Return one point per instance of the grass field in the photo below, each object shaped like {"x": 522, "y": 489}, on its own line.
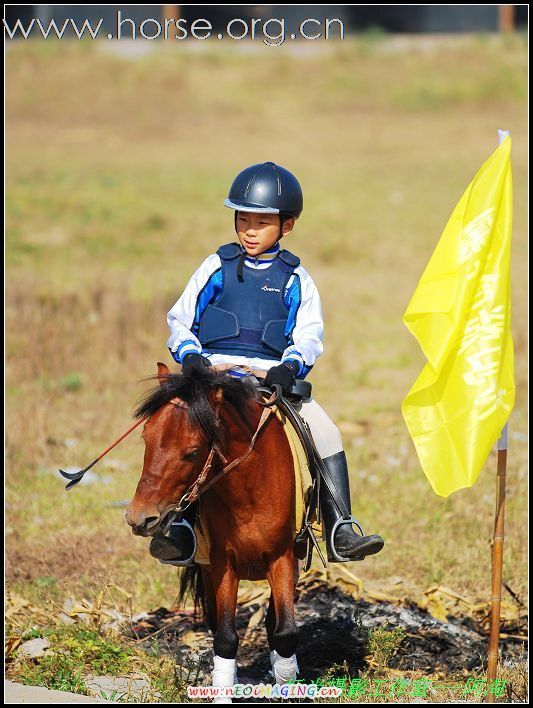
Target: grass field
{"x": 116, "y": 173}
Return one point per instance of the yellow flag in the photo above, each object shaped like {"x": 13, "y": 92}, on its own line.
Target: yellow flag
{"x": 460, "y": 314}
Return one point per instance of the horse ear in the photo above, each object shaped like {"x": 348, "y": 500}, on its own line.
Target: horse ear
{"x": 162, "y": 372}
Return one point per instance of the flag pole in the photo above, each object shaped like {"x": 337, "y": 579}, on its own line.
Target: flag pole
{"x": 497, "y": 565}
{"x": 497, "y": 547}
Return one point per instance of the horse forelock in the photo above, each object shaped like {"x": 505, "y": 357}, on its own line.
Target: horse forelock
{"x": 193, "y": 392}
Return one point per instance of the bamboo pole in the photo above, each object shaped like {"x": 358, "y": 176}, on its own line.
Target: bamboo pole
{"x": 497, "y": 565}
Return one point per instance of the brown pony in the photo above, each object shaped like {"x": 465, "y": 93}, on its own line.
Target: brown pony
{"x": 247, "y": 513}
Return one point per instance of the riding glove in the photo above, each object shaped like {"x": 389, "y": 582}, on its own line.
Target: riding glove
{"x": 284, "y": 375}
{"x": 194, "y": 362}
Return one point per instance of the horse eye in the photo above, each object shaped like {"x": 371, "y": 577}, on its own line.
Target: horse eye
{"x": 192, "y": 455}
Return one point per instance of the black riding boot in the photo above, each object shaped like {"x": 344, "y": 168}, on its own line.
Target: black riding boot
{"x": 179, "y": 545}
{"x": 347, "y": 544}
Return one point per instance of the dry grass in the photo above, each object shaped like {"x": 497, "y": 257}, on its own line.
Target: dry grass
{"x": 116, "y": 174}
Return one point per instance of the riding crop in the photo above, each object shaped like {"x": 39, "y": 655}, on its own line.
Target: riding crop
{"x": 76, "y": 477}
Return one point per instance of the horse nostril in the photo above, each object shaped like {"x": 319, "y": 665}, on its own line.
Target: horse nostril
{"x": 141, "y": 524}
{"x": 144, "y": 527}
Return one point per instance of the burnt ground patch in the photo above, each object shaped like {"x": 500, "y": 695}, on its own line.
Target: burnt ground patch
{"x": 335, "y": 631}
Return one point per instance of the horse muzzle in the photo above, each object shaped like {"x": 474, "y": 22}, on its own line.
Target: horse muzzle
{"x": 147, "y": 528}
{"x": 148, "y": 523}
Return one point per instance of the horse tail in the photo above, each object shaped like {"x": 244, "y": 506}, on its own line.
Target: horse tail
{"x": 192, "y": 584}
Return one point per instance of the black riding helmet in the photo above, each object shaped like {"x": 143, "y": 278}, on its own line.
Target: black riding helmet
{"x": 267, "y": 188}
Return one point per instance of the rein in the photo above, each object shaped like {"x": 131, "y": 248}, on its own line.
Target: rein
{"x": 201, "y": 485}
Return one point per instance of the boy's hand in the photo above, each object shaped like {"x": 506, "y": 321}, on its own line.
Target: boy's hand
{"x": 194, "y": 362}
{"x": 284, "y": 375}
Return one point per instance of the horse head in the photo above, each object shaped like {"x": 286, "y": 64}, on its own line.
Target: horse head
{"x": 175, "y": 452}
{"x": 181, "y": 430}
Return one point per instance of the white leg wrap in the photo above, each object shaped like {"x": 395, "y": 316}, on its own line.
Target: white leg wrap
{"x": 284, "y": 670}
{"x": 224, "y": 673}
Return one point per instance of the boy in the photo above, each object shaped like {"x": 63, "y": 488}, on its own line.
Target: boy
{"x": 255, "y": 305}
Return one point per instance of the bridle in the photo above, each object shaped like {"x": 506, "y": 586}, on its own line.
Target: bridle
{"x": 201, "y": 484}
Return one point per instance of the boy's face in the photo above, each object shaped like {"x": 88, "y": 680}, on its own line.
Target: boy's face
{"x": 259, "y": 232}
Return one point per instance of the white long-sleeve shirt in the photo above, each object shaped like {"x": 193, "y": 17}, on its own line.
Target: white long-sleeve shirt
{"x": 301, "y": 297}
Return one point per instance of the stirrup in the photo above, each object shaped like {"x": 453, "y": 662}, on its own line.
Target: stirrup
{"x": 187, "y": 562}
{"x": 341, "y": 522}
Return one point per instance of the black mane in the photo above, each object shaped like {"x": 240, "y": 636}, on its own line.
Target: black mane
{"x": 194, "y": 389}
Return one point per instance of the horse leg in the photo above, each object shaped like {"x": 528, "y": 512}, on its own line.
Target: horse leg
{"x": 270, "y": 619}
{"x": 270, "y": 622}
{"x": 210, "y": 599}
{"x": 226, "y": 639}
{"x": 283, "y": 635}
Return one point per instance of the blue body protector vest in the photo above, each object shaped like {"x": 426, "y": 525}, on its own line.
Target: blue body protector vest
{"x": 249, "y": 317}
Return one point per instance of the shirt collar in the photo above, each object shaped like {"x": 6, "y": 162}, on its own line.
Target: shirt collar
{"x": 266, "y": 256}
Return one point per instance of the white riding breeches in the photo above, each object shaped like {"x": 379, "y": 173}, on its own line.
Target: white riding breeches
{"x": 325, "y": 433}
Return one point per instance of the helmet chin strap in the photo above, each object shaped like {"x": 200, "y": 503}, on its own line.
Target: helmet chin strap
{"x": 240, "y": 266}
{"x": 282, "y": 218}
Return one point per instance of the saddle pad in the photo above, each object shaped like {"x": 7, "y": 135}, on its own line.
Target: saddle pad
{"x": 302, "y": 475}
